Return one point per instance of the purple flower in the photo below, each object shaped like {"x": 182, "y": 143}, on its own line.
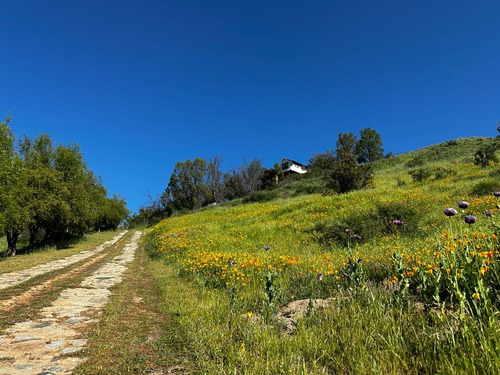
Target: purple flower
{"x": 496, "y": 193}
{"x": 463, "y": 205}
{"x": 488, "y": 213}
{"x": 357, "y": 237}
{"x": 470, "y": 219}
{"x": 233, "y": 263}
{"x": 320, "y": 276}
{"x": 347, "y": 230}
{"x": 450, "y": 211}
{"x": 398, "y": 222}
{"x": 266, "y": 247}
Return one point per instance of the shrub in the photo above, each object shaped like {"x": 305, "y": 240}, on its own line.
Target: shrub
{"x": 417, "y": 161}
{"x": 420, "y": 174}
{"x": 369, "y": 224}
{"x": 486, "y": 187}
{"x": 486, "y": 155}
{"x": 441, "y": 172}
{"x": 261, "y": 196}
{"x": 347, "y": 175}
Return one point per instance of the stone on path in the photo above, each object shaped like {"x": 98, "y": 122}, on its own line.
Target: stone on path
{"x": 14, "y": 278}
{"x": 42, "y": 346}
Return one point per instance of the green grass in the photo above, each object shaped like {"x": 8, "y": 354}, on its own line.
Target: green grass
{"x": 139, "y": 331}
{"x": 410, "y": 317}
{"x": 23, "y": 261}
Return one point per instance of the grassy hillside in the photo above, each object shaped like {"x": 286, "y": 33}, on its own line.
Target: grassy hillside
{"x": 420, "y": 297}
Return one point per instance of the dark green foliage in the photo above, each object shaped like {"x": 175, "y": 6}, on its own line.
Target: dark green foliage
{"x": 186, "y": 188}
{"x": 346, "y": 145}
{"x": 451, "y": 142}
{"x": 272, "y": 177}
{"x": 49, "y": 192}
{"x": 486, "y": 155}
{"x": 346, "y": 175}
{"x": 420, "y": 174}
{"x": 417, "y": 161}
{"x": 320, "y": 163}
{"x": 233, "y": 186}
{"x": 486, "y": 187}
{"x": 441, "y": 172}
{"x": 370, "y": 224}
{"x": 261, "y": 196}
{"x": 369, "y": 148}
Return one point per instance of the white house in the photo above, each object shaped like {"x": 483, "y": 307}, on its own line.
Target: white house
{"x": 291, "y": 166}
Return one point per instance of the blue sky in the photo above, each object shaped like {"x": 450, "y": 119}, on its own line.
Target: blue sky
{"x": 140, "y": 85}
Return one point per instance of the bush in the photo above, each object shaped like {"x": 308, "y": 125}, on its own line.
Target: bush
{"x": 486, "y": 155}
{"x": 486, "y": 187}
{"x": 346, "y": 175}
{"x": 261, "y": 196}
{"x": 417, "y": 161}
{"x": 441, "y": 172}
{"x": 369, "y": 224}
{"x": 420, "y": 174}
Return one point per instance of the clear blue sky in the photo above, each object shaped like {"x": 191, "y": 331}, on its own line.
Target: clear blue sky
{"x": 141, "y": 85}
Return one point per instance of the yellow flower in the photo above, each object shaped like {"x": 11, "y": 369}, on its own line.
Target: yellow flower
{"x": 249, "y": 314}
{"x": 475, "y": 295}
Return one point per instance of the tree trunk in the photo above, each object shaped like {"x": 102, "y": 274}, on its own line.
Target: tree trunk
{"x": 12, "y": 236}
{"x": 33, "y": 232}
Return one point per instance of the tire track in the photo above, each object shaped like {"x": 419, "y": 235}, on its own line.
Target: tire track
{"x": 42, "y": 346}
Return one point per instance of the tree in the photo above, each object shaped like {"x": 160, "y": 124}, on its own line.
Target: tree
{"x": 251, "y": 175}
{"x": 186, "y": 188}
{"x": 347, "y": 175}
{"x": 233, "y": 185}
{"x": 320, "y": 163}
{"x": 346, "y": 146}
{"x": 214, "y": 179}
{"x": 111, "y": 213}
{"x": 272, "y": 177}
{"x": 369, "y": 148}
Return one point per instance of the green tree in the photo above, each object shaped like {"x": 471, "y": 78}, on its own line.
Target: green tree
{"x": 347, "y": 175}
{"x": 186, "y": 188}
{"x": 320, "y": 163}
{"x": 112, "y": 212}
{"x": 346, "y": 146}
{"x": 369, "y": 148}
{"x": 233, "y": 185}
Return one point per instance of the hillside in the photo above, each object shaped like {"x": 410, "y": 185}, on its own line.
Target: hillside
{"x": 390, "y": 245}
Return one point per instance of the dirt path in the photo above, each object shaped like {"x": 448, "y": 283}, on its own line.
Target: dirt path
{"x": 47, "y": 344}
{"x": 14, "y": 278}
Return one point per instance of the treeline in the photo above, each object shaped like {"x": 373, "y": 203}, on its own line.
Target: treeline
{"x": 197, "y": 183}
{"x": 48, "y": 194}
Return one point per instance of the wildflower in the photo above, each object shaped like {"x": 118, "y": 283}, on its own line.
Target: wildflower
{"x": 463, "y": 205}
{"x": 476, "y": 296}
{"x": 357, "y": 237}
{"x": 347, "y": 230}
{"x": 266, "y": 247}
{"x": 496, "y": 193}
{"x": 398, "y": 222}
{"x": 450, "y": 211}
{"x": 483, "y": 270}
{"x": 488, "y": 213}
{"x": 233, "y": 263}
{"x": 470, "y": 219}
{"x": 320, "y": 276}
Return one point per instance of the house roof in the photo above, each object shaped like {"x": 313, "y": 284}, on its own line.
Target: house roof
{"x": 293, "y": 162}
